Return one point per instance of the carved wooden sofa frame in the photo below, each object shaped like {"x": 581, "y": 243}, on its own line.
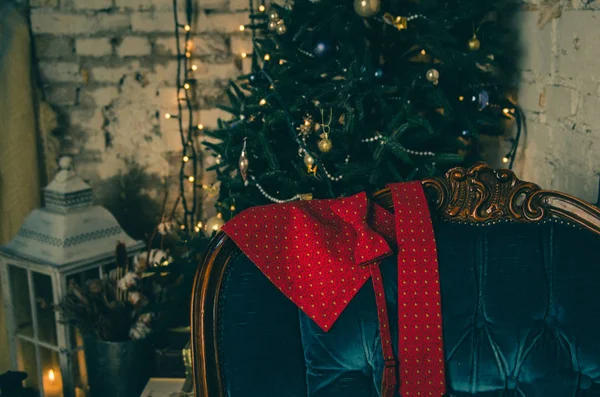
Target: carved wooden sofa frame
{"x": 478, "y": 195}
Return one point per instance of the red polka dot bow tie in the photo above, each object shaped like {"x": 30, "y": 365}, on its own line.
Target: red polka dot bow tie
{"x": 320, "y": 253}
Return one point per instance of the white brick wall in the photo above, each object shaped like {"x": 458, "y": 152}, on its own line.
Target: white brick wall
{"x": 88, "y": 49}
{"x": 559, "y": 91}
{"x": 108, "y": 67}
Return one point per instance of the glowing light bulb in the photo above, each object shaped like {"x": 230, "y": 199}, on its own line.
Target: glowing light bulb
{"x": 191, "y": 178}
{"x": 506, "y": 111}
{"x": 199, "y": 225}
{"x": 168, "y": 116}
{"x": 186, "y": 159}
{"x": 187, "y": 28}
{"x": 281, "y": 61}
{"x": 188, "y": 54}
{"x": 244, "y": 55}
{"x": 261, "y": 8}
{"x": 51, "y": 375}
{"x": 267, "y": 57}
{"x": 200, "y": 126}
{"x": 423, "y": 52}
{"x": 505, "y": 159}
{"x": 262, "y": 102}
{"x": 232, "y": 208}
{"x": 461, "y": 98}
{"x": 242, "y": 28}
{"x": 186, "y": 86}
{"x": 182, "y": 227}
{"x": 196, "y": 229}
{"x": 194, "y": 67}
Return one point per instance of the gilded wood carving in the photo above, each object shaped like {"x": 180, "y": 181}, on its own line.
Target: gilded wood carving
{"x": 482, "y": 194}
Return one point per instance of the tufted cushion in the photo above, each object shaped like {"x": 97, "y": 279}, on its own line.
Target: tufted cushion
{"x": 521, "y": 312}
{"x": 352, "y": 347}
{"x": 521, "y": 306}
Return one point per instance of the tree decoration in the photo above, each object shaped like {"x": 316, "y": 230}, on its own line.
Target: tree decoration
{"x": 433, "y": 76}
{"x": 243, "y": 163}
{"x": 376, "y": 76}
{"x": 325, "y": 144}
{"x": 322, "y": 49}
{"x": 213, "y": 225}
{"x": 474, "y": 43}
{"x": 400, "y": 23}
{"x": 367, "y": 8}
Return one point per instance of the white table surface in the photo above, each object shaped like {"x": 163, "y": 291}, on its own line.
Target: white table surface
{"x": 164, "y": 387}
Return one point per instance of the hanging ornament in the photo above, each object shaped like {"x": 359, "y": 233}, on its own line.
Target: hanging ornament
{"x": 306, "y": 127}
{"x": 400, "y": 23}
{"x": 325, "y": 144}
{"x": 474, "y": 43}
{"x": 244, "y": 163}
{"x": 272, "y": 26}
{"x": 322, "y": 49}
{"x": 281, "y": 29}
{"x": 483, "y": 99}
{"x": 433, "y": 76}
{"x": 273, "y": 16}
{"x": 309, "y": 161}
{"x": 213, "y": 224}
{"x": 367, "y": 8}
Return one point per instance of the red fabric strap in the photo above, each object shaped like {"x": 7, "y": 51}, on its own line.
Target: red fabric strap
{"x": 420, "y": 345}
{"x": 320, "y": 253}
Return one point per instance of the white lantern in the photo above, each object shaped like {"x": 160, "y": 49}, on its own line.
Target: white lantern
{"x": 68, "y": 240}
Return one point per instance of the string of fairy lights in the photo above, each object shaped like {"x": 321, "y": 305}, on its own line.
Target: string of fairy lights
{"x": 190, "y": 170}
{"x": 191, "y": 166}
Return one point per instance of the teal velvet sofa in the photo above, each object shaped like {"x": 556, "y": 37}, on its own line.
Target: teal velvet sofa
{"x": 520, "y": 285}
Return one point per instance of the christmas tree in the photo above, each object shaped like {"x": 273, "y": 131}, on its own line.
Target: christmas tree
{"x": 349, "y": 96}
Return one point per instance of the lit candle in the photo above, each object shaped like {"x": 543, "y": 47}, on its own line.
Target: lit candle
{"x": 52, "y": 384}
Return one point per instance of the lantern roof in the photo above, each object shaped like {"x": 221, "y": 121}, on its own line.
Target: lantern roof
{"x": 69, "y": 230}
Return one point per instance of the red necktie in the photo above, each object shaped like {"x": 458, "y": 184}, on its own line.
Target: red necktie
{"x": 420, "y": 345}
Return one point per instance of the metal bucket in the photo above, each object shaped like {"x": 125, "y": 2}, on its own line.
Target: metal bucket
{"x": 117, "y": 369}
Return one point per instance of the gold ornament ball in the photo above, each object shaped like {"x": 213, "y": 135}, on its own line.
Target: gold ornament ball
{"x": 325, "y": 145}
{"x": 308, "y": 160}
{"x": 213, "y": 224}
{"x": 433, "y": 75}
{"x": 474, "y": 43}
{"x": 281, "y": 29}
{"x": 367, "y": 8}
{"x": 273, "y": 16}
{"x": 272, "y": 25}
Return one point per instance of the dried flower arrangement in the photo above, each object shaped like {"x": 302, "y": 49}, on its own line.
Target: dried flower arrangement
{"x": 138, "y": 298}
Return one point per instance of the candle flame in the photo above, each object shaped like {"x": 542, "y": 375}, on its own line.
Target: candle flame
{"x": 51, "y": 375}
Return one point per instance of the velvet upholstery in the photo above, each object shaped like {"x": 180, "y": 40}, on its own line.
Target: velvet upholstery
{"x": 521, "y": 314}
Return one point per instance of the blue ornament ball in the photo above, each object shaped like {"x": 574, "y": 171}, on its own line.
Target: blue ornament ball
{"x": 322, "y": 49}
{"x": 483, "y": 99}
{"x": 379, "y": 73}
